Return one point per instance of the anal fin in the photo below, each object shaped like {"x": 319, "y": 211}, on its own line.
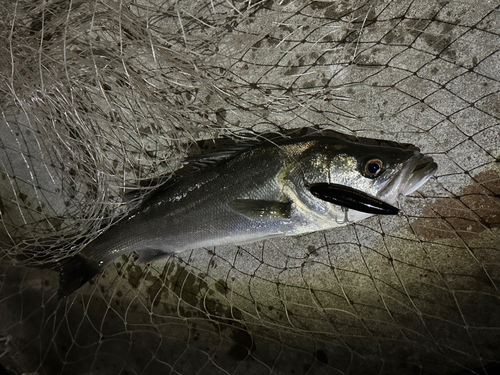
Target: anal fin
{"x": 150, "y": 255}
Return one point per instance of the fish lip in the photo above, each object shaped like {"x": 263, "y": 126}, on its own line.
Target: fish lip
{"x": 417, "y": 171}
{"x": 421, "y": 173}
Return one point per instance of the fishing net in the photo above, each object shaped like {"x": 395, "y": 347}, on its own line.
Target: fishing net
{"x": 103, "y": 98}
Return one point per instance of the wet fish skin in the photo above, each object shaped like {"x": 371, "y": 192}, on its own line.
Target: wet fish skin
{"x": 244, "y": 196}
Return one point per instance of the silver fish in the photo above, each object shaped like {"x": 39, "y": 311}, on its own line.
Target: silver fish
{"x": 250, "y": 193}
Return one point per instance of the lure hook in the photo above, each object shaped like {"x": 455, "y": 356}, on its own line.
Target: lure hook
{"x": 345, "y": 219}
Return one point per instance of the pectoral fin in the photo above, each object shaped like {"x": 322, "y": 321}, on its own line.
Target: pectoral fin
{"x": 351, "y": 198}
{"x": 260, "y": 209}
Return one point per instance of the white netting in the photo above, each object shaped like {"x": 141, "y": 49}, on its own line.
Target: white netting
{"x": 99, "y": 98}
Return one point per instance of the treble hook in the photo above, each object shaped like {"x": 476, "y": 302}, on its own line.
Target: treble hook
{"x": 346, "y": 219}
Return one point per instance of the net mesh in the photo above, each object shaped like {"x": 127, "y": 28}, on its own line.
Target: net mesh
{"x": 100, "y": 98}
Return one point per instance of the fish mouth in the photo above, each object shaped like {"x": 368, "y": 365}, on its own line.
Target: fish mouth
{"x": 417, "y": 171}
{"x": 425, "y": 168}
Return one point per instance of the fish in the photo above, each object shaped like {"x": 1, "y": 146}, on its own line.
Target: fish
{"x": 253, "y": 192}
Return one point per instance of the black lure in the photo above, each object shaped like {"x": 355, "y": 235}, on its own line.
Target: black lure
{"x": 351, "y": 198}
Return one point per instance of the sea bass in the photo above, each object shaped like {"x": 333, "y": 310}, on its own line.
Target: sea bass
{"x": 250, "y": 193}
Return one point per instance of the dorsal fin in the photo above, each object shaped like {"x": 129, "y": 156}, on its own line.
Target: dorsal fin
{"x": 193, "y": 164}
{"x": 218, "y": 150}
{"x": 200, "y": 161}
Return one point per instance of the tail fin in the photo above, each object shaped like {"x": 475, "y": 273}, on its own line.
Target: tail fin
{"x": 74, "y": 272}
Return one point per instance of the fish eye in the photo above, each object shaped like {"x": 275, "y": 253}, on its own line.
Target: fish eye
{"x": 373, "y": 168}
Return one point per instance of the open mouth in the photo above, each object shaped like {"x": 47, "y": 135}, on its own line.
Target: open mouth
{"x": 424, "y": 169}
{"x": 414, "y": 174}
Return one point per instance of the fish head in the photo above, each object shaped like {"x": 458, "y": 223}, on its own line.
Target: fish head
{"x": 382, "y": 172}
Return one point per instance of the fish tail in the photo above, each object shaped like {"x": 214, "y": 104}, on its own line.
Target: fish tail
{"x": 74, "y": 272}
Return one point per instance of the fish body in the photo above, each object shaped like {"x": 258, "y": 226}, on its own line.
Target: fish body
{"x": 250, "y": 194}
